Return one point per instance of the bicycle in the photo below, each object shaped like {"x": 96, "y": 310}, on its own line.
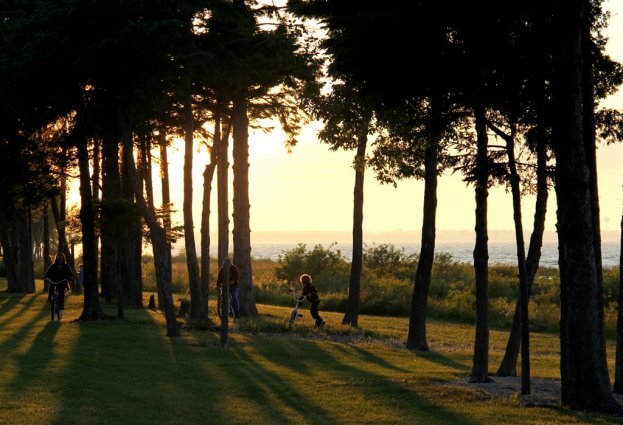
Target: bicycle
{"x": 220, "y": 301}
{"x": 295, "y": 312}
{"x": 54, "y": 311}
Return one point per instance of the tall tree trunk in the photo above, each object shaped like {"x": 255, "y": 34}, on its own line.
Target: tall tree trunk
{"x": 194, "y": 278}
{"x": 95, "y": 192}
{"x": 111, "y": 195}
{"x": 162, "y": 259}
{"x": 146, "y": 170}
{"x": 25, "y": 263}
{"x": 31, "y": 237}
{"x": 96, "y": 169}
{"x": 508, "y": 366}
{"x": 166, "y": 202}
{"x": 588, "y": 126}
{"x": 590, "y": 143}
{"x": 223, "y": 197}
{"x": 208, "y": 175}
{"x": 416, "y": 338}
{"x": 354, "y": 285}
{"x": 521, "y": 262}
{"x": 129, "y": 289}
{"x": 583, "y": 367}
{"x": 60, "y": 227}
{"x": 144, "y": 176}
{"x": 618, "y": 367}
{"x": 91, "y": 310}
{"x": 242, "y": 231}
{"x": 10, "y": 262}
{"x": 480, "y": 369}
{"x": 46, "y": 242}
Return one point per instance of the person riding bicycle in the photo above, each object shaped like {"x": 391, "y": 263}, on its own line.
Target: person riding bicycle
{"x": 59, "y": 272}
{"x": 233, "y": 286}
{"x": 311, "y": 293}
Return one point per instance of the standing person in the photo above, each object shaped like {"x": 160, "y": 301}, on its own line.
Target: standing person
{"x": 81, "y": 274}
{"x": 57, "y": 272}
{"x": 310, "y": 292}
{"x": 233, "y": 286}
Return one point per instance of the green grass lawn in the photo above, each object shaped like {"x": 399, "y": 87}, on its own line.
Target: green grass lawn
{"x": 128, "y": 371}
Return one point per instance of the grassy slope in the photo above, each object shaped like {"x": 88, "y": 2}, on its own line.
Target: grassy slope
{"x": 127, "y": 371}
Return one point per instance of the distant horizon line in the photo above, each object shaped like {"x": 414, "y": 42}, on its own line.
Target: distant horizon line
{"x": 443, "y": 235}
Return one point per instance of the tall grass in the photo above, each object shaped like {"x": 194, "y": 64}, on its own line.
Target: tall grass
{"x": 387, "y": 285}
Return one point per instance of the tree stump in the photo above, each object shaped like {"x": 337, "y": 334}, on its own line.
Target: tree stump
{"x": 184, "y": 308}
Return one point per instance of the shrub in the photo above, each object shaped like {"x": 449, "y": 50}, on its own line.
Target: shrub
{"x": 385, "y": 260}
{"x": 611, "y": 285}
{"x": 329, "y": 269}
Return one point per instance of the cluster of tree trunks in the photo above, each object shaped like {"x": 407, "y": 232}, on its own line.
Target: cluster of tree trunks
{"x": 583, "y": 367}
{"x": 17, "y": 249}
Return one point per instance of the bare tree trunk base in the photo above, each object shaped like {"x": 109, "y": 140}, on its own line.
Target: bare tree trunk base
{"x": 350, "y": 322}
{"x": 480, "y": 380}
{"x": 421, "y": 346}
{"x": 93, "y": 315}
{"x": 184, "y": 309}
{"x": 505, "y": 372}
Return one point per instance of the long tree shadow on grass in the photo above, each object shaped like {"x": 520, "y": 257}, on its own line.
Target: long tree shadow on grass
{"x": 24, "y": 326}
{"x": 369, "y": 357}
{"x": 393, "y": 396}
{"x": 270, "y": 384}
{"x": 149, "y": 378}
{"x": 37, "y": 362}
{"x": 128, "y": 371}
{"x": 437, "y": 357}
{"x": 11, "y": 304}
{"x": 409, "y": 396}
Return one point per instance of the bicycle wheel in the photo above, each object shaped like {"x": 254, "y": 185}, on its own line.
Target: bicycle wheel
{"x": 293, "y": 316}
{"x": 53, "y": 307}
{"x": 231, "y": 307}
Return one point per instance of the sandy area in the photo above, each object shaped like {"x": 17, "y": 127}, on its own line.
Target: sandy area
{"x": 544, "y": 392}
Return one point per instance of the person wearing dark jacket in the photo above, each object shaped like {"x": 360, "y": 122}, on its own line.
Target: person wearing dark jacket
{"x": 233, "y": 286}
{"x": 310, "y": 292}
{"x": 59, "y": 274}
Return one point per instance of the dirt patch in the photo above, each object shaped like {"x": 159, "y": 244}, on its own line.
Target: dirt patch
{"x": 544, "y": 392}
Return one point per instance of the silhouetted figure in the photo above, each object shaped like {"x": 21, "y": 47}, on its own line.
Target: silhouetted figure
{"x": 310, "y": 292}
{"x": 233, "y": 287}
{"x": 57, "y": 272}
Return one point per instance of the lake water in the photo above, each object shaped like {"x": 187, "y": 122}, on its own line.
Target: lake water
{"x": 498, "y": 252}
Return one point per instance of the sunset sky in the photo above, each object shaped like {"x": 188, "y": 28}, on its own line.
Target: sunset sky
{"x": 311, "y": 188}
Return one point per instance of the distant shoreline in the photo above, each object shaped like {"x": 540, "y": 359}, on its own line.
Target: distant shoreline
{"x": 461, "y": 251}
{"x": 404, "y": 236}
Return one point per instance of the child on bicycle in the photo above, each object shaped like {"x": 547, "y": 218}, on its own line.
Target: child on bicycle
{"x": 59, "y": 274}
{"x": 311, "y": 293}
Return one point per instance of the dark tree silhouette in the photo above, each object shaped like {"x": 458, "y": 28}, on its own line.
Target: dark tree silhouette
{"x": 583, "y": 368}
